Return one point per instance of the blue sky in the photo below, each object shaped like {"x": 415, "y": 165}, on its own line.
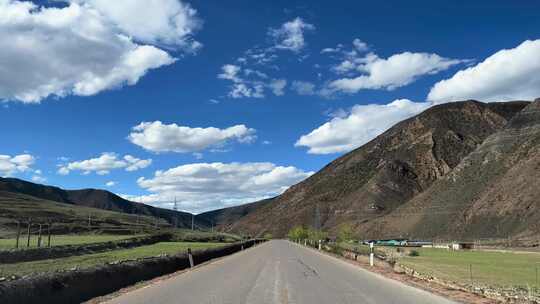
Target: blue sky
{"x": 336, "y": 75}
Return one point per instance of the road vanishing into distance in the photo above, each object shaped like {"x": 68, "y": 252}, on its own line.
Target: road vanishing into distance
{"x": 278, "y": 272}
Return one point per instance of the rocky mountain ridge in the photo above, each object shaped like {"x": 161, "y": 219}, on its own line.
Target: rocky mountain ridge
{"x": 365, "y": 186}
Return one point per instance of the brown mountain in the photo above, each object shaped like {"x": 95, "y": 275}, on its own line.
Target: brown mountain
{"x": 226, "y": 217}
{"x": 93, "y": 198}
{"x": 384, "y": 174}
{"x": 493, "y": 193}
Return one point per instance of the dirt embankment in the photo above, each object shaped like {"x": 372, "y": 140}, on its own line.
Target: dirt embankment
{"x": 80, "y": 285}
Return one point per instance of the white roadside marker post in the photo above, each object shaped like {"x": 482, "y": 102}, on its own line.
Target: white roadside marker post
{"x": 320, "y": 245}
{"x": 371, "y": 254}
{"x": 190, "y": 256}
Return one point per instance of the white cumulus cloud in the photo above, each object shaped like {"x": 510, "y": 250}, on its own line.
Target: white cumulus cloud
{"x": 87, "y": 46}
{"x": 393, "y": 72}
{"x": 158, "y": 137}
{"x": 250, "y": 83}
{"x": 360, "y": 45}
{"x": 38, "y": 179}
{"x": 134, "y": 164}
{"x": 230, "y": 72}
{"x": 303, "y": 87}
{"x": 290, "y": 36}
{"x": 278, "y": 86}
{"x": 169, "y": 22}
{"x": 103, "y": 164}
{"x": 509, "y": 74}
{"x": 204, "y": 186}
{"x": 361, "y": 124}
{"x": 10, "y": 165}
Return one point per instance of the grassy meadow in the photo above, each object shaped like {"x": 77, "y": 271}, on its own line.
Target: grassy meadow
{"x": 89, "y": 260}
{"x": 59, "y": 240}
{"x": 488, "y": 268}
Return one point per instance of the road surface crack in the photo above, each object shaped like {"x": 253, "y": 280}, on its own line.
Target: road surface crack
{"x": 309, "y": 272}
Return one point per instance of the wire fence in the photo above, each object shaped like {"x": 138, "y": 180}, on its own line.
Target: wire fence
{"x": 41, "y": 232}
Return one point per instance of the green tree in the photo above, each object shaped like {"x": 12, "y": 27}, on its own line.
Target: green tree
{"x": 316, "y": 235}
{"x": 345, "y": 233}
{"x": 298, "y": 233}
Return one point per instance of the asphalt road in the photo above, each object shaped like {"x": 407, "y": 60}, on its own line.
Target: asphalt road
{"x": 278, "y": 272}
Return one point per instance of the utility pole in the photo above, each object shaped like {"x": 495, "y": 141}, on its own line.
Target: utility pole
{"x": 192, "y": 221}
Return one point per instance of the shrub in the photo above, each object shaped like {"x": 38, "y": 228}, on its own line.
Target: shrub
{"x": 414, "y": 253}
{"x": 298, "y": 233}
{"x": 345, "y": 233}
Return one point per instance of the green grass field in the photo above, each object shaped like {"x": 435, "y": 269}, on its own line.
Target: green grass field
{"x": 89, "y": 260}
{"x": 488, "y": 268}
{"x": 59, "y": 240}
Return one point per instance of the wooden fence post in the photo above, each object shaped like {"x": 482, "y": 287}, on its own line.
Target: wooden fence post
{"x": 18, "y": 234}
{"x": 537, "y": 278}
{"x": 39, "y": 236}
{"x": 28, "y": 233}
{"x": 49, "y": 235}
{"x": 470, "y": 271}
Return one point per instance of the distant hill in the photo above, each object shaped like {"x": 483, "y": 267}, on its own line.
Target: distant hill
{"x": 364, "y": 187}
{"x": 493, "y": 192}
{"x": 225, "y": 218}
{"x": 93, "y": 198}
{"x": 67, "y": 218}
